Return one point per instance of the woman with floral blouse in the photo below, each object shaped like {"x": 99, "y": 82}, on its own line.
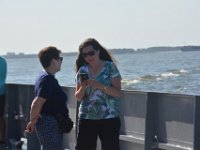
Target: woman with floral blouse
{"x": 99, "y": 97}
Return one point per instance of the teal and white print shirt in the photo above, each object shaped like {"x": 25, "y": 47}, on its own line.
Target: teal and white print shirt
{"x": 97, "y": 104}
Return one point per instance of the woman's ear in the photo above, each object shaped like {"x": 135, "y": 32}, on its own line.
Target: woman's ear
{"x": 53, "y": 62}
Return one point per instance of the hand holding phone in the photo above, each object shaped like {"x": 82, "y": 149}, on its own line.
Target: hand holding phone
{"x": 84, "y": 76}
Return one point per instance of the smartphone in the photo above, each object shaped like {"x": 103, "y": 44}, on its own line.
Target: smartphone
{"x": 84, "y": 76}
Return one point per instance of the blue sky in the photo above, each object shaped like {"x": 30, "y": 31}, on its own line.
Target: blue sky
{"x": 29, "y": 25}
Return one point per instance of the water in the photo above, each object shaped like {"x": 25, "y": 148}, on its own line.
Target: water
{"x": 167, "y": 72}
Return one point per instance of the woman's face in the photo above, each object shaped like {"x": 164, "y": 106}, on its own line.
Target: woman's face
{"x": 57, "y": 63}
{"x": 90, "y": 55}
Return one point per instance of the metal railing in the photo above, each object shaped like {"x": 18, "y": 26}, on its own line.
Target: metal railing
{"x": 148, "y": 120}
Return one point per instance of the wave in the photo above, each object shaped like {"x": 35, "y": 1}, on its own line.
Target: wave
{"x": 157, "y": 77}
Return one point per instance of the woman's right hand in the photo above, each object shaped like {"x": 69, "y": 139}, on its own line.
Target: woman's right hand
{"x": 30, "y": 127}
{"x": 80, "y": 90}
{"x": 84, "y": 84}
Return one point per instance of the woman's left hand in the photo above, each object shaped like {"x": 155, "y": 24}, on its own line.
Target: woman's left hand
{"x": 95, "y": 84}
{"x": 114, "y": 90}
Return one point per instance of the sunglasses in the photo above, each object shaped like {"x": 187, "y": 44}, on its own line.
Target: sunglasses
{"x": 60, "y": 58}
{"x": 90, "y": 53}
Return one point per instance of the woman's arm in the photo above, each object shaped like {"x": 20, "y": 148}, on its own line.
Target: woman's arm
{"x": 80, "y": 90}
{"x": 36, "y": 107}
{"x": 114, "y": 90}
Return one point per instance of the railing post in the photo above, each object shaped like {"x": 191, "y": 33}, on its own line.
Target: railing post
{"x": 151, "y": 122}
{"x": 197, "y": 124}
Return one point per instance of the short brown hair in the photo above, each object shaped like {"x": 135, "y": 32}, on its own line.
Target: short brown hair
{"x": 47, "y": 54}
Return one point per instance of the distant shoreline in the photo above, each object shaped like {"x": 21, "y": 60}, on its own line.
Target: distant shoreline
{"x": 116, "y": 51}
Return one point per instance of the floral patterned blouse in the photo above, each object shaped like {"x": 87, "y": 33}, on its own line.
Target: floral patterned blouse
{"x": 96, "y": 104}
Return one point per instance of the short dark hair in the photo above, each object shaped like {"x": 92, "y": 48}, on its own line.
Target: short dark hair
{"x": 47, "y": 54}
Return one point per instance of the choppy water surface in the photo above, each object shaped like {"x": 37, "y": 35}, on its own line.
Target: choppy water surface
{"x": 168, "y": 72}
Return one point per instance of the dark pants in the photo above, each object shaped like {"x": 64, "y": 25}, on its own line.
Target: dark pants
{"x": 2, "y": 121}
{"x": 106, "y": 129}
{"x": 2, "y": 104}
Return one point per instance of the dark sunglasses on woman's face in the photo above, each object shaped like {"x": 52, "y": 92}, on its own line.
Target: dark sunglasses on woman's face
{"x": 60, "y": 58}
{"x": 90, "y": 53}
